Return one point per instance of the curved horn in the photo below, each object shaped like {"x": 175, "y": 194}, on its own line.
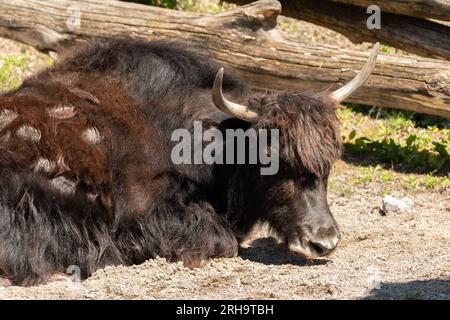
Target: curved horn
{"x": 233, "y": 109}
{"x": 344, "y": 92}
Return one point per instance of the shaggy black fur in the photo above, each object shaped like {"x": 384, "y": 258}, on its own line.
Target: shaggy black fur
{"x": 136, "y": 93}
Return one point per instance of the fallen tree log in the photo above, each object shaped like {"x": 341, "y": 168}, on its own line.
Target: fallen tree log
{"x": 433, "y": 9}
{"x": 245, "y": 39}
{"x": 419, "y": 36}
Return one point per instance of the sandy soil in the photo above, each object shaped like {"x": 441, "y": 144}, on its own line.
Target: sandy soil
{"x": 393, "y": 256}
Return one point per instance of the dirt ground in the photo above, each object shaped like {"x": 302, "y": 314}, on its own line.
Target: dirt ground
{"x": 392, "y": 256}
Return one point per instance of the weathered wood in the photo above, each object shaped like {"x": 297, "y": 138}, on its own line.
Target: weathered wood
{"x": 246, "y": 39}
{"x": 433, "y": 9}
{"x": 419, "y": 36}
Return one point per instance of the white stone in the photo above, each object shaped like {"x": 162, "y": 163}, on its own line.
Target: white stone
{"x": 391, "y": 204}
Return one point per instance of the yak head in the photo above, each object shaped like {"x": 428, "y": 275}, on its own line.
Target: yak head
{"x": 294, "y": 200}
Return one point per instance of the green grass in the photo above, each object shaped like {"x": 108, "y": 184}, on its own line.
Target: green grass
{"x": 387, "y": 49}
{"x": 203, "y": 6}
{"x": 433, "y": 182}
{"x": 13, "y": 67}
{"x": 170, "y": 4}
{"x": 373, "y": 174}
{"x": 365, "y": 176}
{"x": 387, "y": 140}
{"x": 399, "y": 139}
{"x": 10, "y": 68}
{"x": 411, "y": 182}
{"x": 386, "y": 177}
{"x": 391, "y": 50}
{"x": 341, "y": 188}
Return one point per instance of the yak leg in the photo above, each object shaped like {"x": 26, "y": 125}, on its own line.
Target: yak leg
{"x": 178, "y": 225}
{"x": 202, "y": 235}
{"x": 190, "y": 233}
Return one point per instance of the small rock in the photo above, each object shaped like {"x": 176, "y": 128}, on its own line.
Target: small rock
{"x": 391, "y": 204}
{"x": 53, "y": 55}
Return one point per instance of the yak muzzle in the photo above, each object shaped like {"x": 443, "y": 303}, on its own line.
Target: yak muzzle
{"x": 317, "y": 244}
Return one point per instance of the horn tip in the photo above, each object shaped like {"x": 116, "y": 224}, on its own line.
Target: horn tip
{"x": 219, "y": 74}
{"x": 376, "y": 47}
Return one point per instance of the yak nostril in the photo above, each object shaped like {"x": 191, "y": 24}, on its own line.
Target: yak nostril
{"x": 322, "y": 248}
{"x": 319, "y": 248}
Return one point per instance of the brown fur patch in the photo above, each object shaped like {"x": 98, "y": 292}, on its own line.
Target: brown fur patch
{"x": 62, "y": 112}
{"x": 44, "y": 165}
{"x": 91, "y": 136}
{"x": 29, "y": 133}
{"x": 64, "y": 185}
{"x": 6, "y": 117}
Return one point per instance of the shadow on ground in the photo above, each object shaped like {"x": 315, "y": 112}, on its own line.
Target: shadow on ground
{"x": 269, "y": 252}
{"x": 415, "y": 290}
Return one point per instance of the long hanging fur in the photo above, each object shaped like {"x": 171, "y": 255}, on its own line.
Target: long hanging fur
{"x": 85, "y": 170}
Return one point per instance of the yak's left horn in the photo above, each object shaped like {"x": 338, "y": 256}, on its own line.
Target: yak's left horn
{"x": 233, "y": 109}
{"x": 347, "y": 90}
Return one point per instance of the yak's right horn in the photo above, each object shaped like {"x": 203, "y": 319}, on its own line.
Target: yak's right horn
{"x": 347, "y": 90}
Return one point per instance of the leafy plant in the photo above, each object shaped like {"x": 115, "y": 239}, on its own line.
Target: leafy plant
{"x": 203, "y": 6}
{"x": 411, "y": 155}
{"x": 397, "y": 139}
{"x": 188, "y": 5}
{"x": 9, "y": 67}
{"x": 170, "y": 4}
{"x": 340, "y": 188}
{"x": 411, "y": 182}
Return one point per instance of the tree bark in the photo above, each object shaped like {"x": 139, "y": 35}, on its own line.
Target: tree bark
{"x": 425, "y": 9}
{"x": 245, "y": 39}
{"x": 433, "y": 9}
{"x": 419, "y": 36}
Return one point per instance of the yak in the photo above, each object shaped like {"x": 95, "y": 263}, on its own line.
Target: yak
{"x": 87, "y": 179}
